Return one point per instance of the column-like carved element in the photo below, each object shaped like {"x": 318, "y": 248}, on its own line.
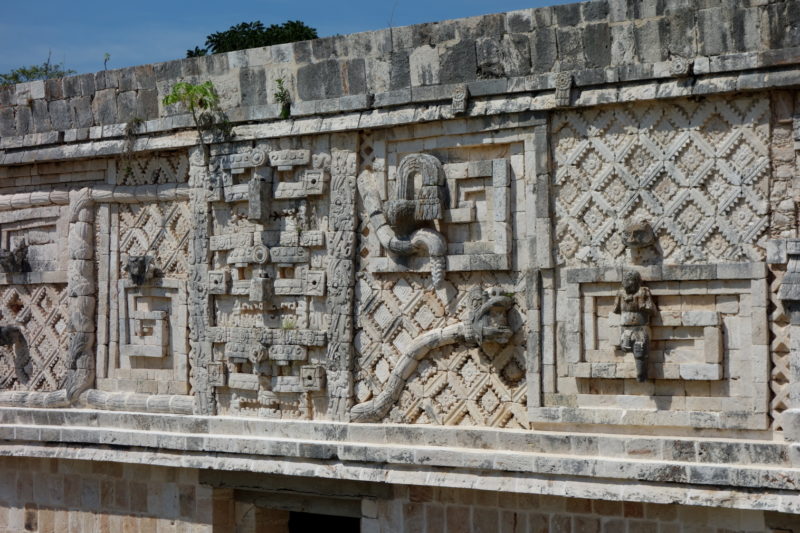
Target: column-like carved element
{"x": 82, "y": 294}
{"x": 341, "y": 280}
{"x": 787, "y": 251}
{"x": 199, "y": 181}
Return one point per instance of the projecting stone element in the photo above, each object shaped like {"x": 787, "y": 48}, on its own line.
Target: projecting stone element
{"x": 564, "y": 84}
{"x": 312, "y": 377}
{"x": 216, "y": 374}
{"x": 635, "y": 305}
{"x": 15, "y": 260}
{"x": 488, "y": 321}
{"x": 640, "y": 240}
{"x": 286, "y": 159}
{"x": 460, "y": 99}
{"x": 680, "y": 67}
{"x": 258, "y": 195}
{"x": 218, "y": 281}
{"x": 140, "y": 268}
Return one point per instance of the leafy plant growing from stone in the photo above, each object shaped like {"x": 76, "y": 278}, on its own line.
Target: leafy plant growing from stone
{"x": 283, "y": 98}
{"x": 202, "y": 101}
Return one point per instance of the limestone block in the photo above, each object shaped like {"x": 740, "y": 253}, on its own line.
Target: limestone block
{"x": 711, "y": 372}
{"x": 712, "y": 344}
{"x": 700, "y": 318}
{"x": 424, "y": 66}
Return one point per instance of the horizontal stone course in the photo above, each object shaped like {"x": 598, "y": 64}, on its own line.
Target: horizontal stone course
{"x": 299, "y": 438}
{"x": 562, "y": 482}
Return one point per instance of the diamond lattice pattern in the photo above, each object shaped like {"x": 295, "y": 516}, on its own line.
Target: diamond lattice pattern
{"x": 41, "y": 312}
{"x": 696, "y": 170}
{"x": 159, "y": 229}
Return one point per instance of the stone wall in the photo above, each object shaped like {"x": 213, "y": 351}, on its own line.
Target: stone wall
{"x": 429, "y": 510}
{"x": 47, "y": 495}
{"x": 42, "y": 495}
{"x": 552, "y": 253}
{"x": 513, "y": 53}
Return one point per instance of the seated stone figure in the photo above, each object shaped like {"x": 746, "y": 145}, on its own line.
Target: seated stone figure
{"x": 634, "y": 304}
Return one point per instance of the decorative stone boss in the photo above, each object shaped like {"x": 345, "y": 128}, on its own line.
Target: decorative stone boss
{"x": 634, "y": 304}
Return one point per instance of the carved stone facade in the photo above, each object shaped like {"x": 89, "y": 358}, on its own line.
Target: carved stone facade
{"x": 697, "y": 170}
{"x": 589, "y": 264}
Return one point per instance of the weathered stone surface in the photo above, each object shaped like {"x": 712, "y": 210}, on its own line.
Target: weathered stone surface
{"x": 445, "y": 253}
{"x": 320, "y": 80}
{"x": 104, "y": 106}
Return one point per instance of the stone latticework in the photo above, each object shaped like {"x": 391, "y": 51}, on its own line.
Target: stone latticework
{"x": 153, "y": 170}
{"x": 697, "y": 170}
{"x": 41, "y": 311}
{"x": 159, "y": 229}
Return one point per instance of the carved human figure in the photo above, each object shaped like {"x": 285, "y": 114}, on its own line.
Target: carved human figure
{"x": 634, "y": 304}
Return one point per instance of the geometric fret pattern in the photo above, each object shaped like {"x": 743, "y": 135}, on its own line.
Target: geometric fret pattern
{"x": 41, "y": 312}
{"x": 160, "y": 229}
{"x": 697, "y": 171}
{"x": 779, "y": 348}
{"x": 154, "y": 169}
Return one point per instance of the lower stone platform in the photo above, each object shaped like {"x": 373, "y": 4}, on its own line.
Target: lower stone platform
{"x": 742, "y": 474}
{"x": 57, "y": 495}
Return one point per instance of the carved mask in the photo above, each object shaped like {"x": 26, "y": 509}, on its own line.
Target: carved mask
{"x": 139, "y": 268}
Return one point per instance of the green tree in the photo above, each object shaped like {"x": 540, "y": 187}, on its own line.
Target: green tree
{"x": 202, "y": 101}
{"x": 45, "y": 71}
{"x": 253, "y": 35}
{"x": 197, "y": 52}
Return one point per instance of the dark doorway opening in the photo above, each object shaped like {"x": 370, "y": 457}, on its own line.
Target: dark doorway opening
{"x": 313, "y": 523}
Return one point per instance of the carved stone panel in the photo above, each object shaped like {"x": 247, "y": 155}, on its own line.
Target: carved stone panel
{"x": 41, "y": 314}
{"x": 269, "y": 278}
{"x": 696, "y": 170}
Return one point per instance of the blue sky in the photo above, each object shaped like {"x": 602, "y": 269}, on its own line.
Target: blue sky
{"x": 134, "y": 32}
